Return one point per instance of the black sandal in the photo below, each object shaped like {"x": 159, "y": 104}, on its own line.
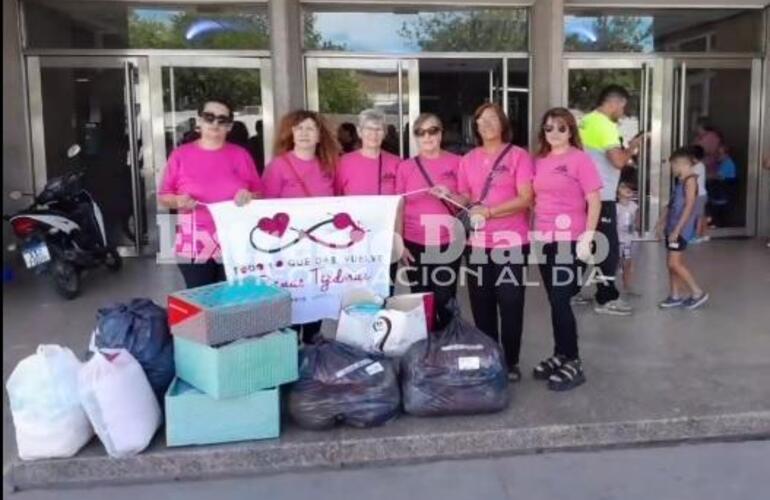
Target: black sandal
{"x": 568, "y": 376}
{"x": 548, "y": 367}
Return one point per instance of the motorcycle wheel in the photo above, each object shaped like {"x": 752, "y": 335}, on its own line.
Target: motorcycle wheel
{"x": 66, "y": 279}
{"x": 112, "y": 260}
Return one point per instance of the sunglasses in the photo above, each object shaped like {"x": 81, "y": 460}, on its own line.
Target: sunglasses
{"x": 427, "y": 131}
{"x": 550, "y": 128}
{"x": 211, "y": 118}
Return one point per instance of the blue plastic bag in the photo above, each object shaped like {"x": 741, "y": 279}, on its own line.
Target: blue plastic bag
{"x": 141, "y": 328}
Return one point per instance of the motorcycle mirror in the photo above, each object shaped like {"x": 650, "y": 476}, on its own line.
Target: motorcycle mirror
{"x": 73, "y": 151}
{"x": 15, "y": 195}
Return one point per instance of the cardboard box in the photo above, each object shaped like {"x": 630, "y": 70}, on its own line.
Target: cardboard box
{"x": 240, "y": 367}
{"x": 192, "y": 417}
{"x": 223, "y": 312}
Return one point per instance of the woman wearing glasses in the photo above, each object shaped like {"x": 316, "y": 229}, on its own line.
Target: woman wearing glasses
{"x": 495, "y": 182}
{"x": 207, "y": 170}
{"x": 427, "y": 218}
{"x": 305, "y": 163}
{"x": 567, "y": 206}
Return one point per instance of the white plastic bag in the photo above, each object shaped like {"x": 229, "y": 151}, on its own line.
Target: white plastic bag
{"x": 43, "y": 395}
{"x": 119, "y": 401}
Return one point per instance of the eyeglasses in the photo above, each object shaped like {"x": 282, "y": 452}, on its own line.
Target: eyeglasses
{"x": 427, "y": 131}
{"x": 550, "y": 128}
{"x": 211, "y": 118}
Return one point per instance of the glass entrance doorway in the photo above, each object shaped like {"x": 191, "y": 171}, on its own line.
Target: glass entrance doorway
{"x": 450, "y": 87}
{"x": 102, "y": 104}
{"x": 682, "y": 102}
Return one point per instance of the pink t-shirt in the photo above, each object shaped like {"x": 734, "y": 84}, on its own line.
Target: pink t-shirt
{"x": 513, "y": 171}
{"x": 358, "y": 175}
{"x": 423, "y": 209}
{"x": 282, "y": 182}
{"x": 561, "y": 185}
{"x": 208, "y": 176}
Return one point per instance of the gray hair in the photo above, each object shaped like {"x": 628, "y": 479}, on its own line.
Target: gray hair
{"x": 371, "y": 116}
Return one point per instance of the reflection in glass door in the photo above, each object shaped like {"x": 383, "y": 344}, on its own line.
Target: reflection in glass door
{"x": 586, "y": 79}
{"x": 341, "y": 88}
{"x": 712, "y": 107}
{"x": 101, "y": 104}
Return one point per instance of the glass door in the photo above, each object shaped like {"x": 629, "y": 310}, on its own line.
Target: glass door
{"x": 100, "y": 103}
{"x": 715, "y": 104}
{"x": 642, "y": 79}
{"x": 340, "y": 88}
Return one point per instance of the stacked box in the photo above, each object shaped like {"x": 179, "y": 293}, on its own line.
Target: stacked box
{"x": 193, "y": 417}
{"x": 232, "y": 351}
{"x": 240, "y": 367}
{"x": 223, "y": 312}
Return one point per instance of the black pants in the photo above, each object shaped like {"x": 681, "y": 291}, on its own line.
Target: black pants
{"x": 201, "y": 274}
{"x": 561, "y": 284}
{"x": 441, "y": 279}
{"x": 608, "y": 226}
{"x": 498, "y": 289}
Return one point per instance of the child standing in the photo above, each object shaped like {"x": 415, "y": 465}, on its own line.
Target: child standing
{"x": 679, "y": 219}
{"x": 627, "y": 212}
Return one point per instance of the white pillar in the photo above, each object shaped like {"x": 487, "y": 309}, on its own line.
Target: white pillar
{"x": 547, "y": 48}
{"x": 286, "y": 51}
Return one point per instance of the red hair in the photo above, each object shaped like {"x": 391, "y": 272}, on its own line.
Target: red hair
{"x": 327, "y": 149}
{"x": 563, "y": 115}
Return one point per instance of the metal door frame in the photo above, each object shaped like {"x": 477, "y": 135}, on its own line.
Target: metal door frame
{"x": 652, "y": 118}
{"x": 34, "y": 66}
{"x": 676, "y": 102}
{"x": 401, "y": 66}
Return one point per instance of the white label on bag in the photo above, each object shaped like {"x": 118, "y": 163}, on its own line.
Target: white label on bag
{"x": 469, "y": 363}
{"x": 374, "y": 368}
{"x": 352, "y": 368}
{"x": 463, "y": 347}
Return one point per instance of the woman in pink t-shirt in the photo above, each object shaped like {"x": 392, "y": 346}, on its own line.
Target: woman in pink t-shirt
{"x": 306, "y": 155}
{"x": 567, "y": 205}
{"x": 207, "y": 170}
{"x": 427, "y": 219}
{"x": 368, "y": 170}
{"x": 304, "y": 166}
{"x": 495, "y": 180}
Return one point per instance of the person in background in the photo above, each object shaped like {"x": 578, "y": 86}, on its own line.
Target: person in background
{"x": 427, "y": 217}
{"x": 193, "y": 133}
{"x": 567, "y": 206}
{"x": 726, "y": 184}
{"x": 600, "y": 136}
{"x": 390, "y": 144}
{"x": 207, "y": 170}
{"x": 710, "y": 139}
{"x": 697, "y": 152}
{"x": 495, "y": 180}
{"x": 256, "y": 146}
{"x": 306, "y": 156}
{"x": 628, "y": 211}
{"x": 347, "y": 137}
{"x": 679, "y": 223}
{"x": 239, "y": 134}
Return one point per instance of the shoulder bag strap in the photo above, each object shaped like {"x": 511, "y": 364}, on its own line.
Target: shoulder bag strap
{"x": 488, "y": 181}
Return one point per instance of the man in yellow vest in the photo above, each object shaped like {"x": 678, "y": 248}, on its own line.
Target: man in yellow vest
{"x": 601, "y": 139}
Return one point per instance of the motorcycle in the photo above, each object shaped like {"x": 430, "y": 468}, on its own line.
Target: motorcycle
{"x": 62, "y": 233}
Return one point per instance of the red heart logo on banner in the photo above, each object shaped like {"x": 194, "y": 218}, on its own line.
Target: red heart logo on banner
{"x": 276, "y": 226}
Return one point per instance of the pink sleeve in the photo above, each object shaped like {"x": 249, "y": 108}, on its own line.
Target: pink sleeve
{"x": 249, "y": 174}
{"x": 463, "y": 186}
{"x": 587, "y": 174}
{"x": 272, "y": 179}
{"x": 525, "y": 170}
{"x": 170, "y": 183}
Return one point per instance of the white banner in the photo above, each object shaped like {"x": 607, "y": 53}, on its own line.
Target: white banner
{"x": 316, "y": 248}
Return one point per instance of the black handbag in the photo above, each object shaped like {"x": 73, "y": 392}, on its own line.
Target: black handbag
{"x": 463, "y": 215}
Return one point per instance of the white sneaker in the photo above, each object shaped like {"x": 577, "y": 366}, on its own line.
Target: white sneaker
{"x": 616, "y": 307}
{"x": 580, "y": 300}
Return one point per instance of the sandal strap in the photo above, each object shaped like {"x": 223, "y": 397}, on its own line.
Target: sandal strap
{"x": 567, "y": 372}
{"x": 550, "y": 364}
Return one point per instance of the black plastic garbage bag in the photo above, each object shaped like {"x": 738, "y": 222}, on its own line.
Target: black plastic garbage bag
{"x": 457, "y": 370}
{"x": 140, "y": 327}
{"x": 342, "y": 384}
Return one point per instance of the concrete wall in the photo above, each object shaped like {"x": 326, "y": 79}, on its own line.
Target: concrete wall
{"x": 764, "y": 174}
{"x": 17, "y": 170}
{"x": 546, "y": 42}
{"x": 288, "y": 64}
